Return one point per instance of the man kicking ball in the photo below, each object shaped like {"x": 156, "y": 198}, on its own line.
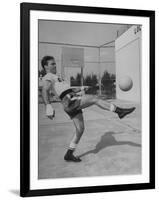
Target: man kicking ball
{"x": 72, "y": 102}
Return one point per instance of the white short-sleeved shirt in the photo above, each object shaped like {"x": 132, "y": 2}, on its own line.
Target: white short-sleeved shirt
{"x": 59, "y": 86}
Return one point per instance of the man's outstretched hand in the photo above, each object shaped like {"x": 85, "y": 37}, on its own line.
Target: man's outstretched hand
{"x": 50, "y": 112}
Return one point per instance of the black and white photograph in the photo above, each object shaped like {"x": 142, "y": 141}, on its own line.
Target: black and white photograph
{"x": 89, "y": 113}
{"x": 89, "y": 99}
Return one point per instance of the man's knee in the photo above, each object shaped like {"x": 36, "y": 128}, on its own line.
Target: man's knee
{"x": 94, "y": 99}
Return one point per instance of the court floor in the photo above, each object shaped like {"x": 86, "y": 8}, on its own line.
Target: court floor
{"x": 109, "y": 146}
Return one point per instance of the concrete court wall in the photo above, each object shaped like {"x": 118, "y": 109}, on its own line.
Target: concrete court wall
{"x": 128, "y": 62}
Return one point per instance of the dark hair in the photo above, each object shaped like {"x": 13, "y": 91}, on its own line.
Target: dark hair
{"x": 45, "y": 60}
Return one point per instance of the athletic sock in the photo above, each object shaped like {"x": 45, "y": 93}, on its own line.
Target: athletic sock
{"x": 112, "y": 107}
{"x": 122, "y": 112}
{"x": 72, "y": 146}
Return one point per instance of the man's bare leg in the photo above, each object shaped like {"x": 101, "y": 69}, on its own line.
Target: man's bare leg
{"x": 79, "y": 125}
{"x": 89, "y": 100}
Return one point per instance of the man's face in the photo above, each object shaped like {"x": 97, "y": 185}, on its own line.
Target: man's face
{"x": 51, "y": 66}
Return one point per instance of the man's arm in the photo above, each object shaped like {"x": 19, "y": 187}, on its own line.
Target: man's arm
{"x": 45, "y": 94}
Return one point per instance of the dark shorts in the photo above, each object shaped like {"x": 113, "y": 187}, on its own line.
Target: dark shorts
{"x": 72, "y": 107}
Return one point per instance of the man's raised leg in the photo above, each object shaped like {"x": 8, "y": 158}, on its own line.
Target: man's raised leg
{"x": 89, "y": 100}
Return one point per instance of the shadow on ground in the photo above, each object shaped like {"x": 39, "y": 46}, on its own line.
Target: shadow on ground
{"x": 108, "y": 140}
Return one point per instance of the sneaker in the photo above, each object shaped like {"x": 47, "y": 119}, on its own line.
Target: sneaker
{"x": 70, "y": 157}
{"x": 122, "y": 112}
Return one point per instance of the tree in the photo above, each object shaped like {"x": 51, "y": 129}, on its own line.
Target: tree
{"x": 91, "y": 80}
{"x": 72, "y": 81}
{"x": 76, "y": 81}
{"x": 107, "y": 81}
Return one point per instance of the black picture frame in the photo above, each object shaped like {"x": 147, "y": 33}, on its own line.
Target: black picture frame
{"x": 25, "y": 190}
